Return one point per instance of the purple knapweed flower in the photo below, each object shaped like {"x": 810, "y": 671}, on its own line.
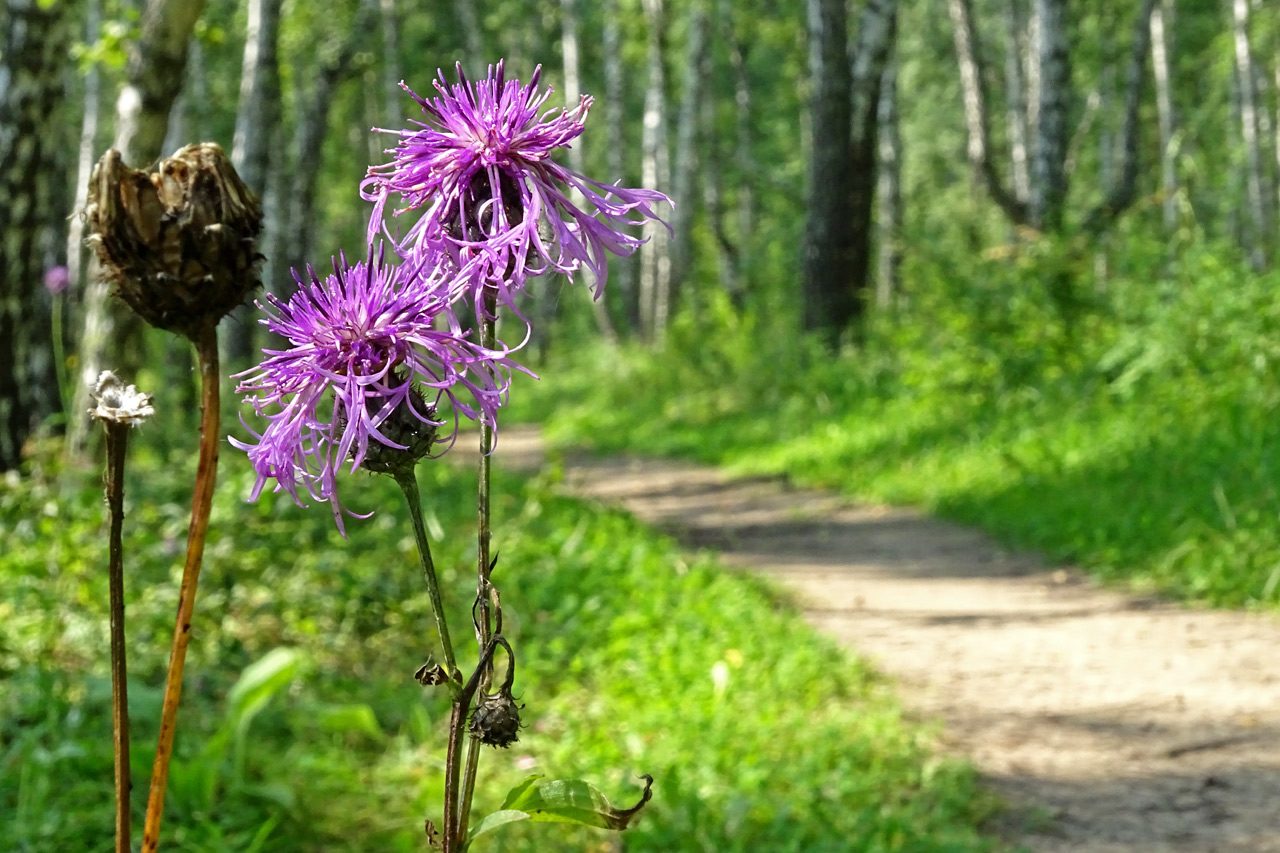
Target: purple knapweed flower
{"x": 365, "y": 367}
{"x": 492, "y": 199}
{"x": 57, "y": 279}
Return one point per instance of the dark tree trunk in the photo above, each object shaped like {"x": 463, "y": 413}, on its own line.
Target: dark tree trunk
{"x": 842, "y": 175}
{"x": 830, "y": 298}
{"x": 1049, "y": 157}
{"x": 35, "y": 43}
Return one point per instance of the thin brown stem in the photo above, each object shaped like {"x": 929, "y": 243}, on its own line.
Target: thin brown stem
{"x": 206, "y": 471}
{"x": 408, "y": 483}
{"x": 455, "y": 832}
{"x": 117, "y": 442}
{"x": 484, "y": 630}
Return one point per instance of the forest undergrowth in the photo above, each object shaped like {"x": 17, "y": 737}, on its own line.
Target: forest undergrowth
{"x": 306, "y": 731}
{"x": 1127, "y": 426}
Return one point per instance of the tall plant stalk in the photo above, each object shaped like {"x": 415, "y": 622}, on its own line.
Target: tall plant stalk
{"x": 118, "y": 407}
{"x": 484, "y": 565}
{"x": 408, "y": 483}
{"x": 206, "y": 341}
{"x": 117, "y": 442}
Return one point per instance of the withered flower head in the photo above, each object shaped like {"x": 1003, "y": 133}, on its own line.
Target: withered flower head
{"x": 178, "y": 242}
{"x": 496, "y": 720}
{"x": 117, "y": 403}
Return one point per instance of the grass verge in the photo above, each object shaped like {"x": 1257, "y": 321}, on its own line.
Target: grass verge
{"x": 1137, "y": 437}
{"x": 303, "y": 729}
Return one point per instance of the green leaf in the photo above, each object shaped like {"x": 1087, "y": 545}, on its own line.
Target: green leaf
{"x": 560, "y": 801}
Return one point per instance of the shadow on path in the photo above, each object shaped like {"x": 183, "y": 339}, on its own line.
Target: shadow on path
{"x": 1110, "y": 723}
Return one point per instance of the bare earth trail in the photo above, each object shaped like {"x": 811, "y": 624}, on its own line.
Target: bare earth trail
{"x": 1109, "y": 723}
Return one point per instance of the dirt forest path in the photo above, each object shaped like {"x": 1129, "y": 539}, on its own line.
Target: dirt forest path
{"x": 1107, "y": 722}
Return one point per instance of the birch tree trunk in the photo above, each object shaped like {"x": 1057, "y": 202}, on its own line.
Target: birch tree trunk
{"x": 33, "y": 49}
{"x": 845, "y": 100}
{"x": 889, "y": 192}
{"x": 1162, "y": 21}
{"x": 655, "y": 260}
{"x": 1048, "y": 164}
{"x": 1258, "y": 226}
{"x": 697, "y": 59}
{"x": 76, "y": 265}
{"x": 738, "y": 47}
{"x": 828, "y": 251}
{"x": 157, "y": 62}
{"x": 313, "y": 122}
{"x": 251, "y": 151}
{"x": 572, "y": 94}
{"x": 154, "y": 78}
{"x": 1016, "y": 100}
{"x": 625, "y": 268}
{"x": 976, "y": 117}
{"x": 1122, "y": 193}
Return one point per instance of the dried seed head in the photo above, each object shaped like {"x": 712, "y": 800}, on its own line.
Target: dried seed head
{"x": 117, "y": 403}
{"x": 496, "y": 719}
{"x": 177, "y": 243}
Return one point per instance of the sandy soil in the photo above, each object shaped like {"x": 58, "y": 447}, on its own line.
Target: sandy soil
{"x": 1107, "y": 722}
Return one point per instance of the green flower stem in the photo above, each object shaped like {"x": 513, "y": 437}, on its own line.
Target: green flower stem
{"x": 484, "y": 630}
{"x": 206, "y": 341}
{"x": 408, "y": 482}
{"x": 117, "y": 441}
{"x": 60, "y": 358}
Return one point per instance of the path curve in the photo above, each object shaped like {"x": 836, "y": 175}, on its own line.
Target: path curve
{"x": 1109, "y": 723}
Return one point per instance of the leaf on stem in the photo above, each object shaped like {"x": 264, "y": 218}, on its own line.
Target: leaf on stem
{"x": 560, "y": 801}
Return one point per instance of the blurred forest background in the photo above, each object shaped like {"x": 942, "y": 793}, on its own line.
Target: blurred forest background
{"x": 1011, "y": 260}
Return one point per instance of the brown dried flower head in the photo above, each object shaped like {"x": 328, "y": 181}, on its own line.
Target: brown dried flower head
{"x": 496, "y": 719}
{"x": 177, "y": 243}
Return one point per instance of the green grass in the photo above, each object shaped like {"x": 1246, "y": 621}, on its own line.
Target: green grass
{"x": 1136, "y": 435}
{"x": 633, "y": 658}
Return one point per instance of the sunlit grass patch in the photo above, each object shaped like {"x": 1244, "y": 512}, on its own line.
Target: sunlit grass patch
{"x": 635, "y": 659}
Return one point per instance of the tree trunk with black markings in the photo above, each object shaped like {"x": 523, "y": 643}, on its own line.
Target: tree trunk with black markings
{"x": 35, "y": 41}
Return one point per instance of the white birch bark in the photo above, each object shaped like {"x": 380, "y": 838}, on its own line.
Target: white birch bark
{"x": 1258, "y": 224}
{"x": 251, "y": 150}
{"x": 157, "y": 63}
{"x": 697, "y": 57}
{"x": 572, "y": 94}
{"x": 85, "y": 154}
{"x": 623, "y": 269}
{"x": 153, "y": 81}
{"x": 889, "y": 192}
{"x": 1048, "y": 157}
{"x": 1016, "y": 100}
{"x": 1161, "y": 22}
{"x": 655, "y": 260}
{"x": 977, "y": 121}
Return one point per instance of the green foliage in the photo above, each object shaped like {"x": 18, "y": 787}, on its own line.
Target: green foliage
{"x": 303, "y": 730}
{"x": 1130, "y": 428}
